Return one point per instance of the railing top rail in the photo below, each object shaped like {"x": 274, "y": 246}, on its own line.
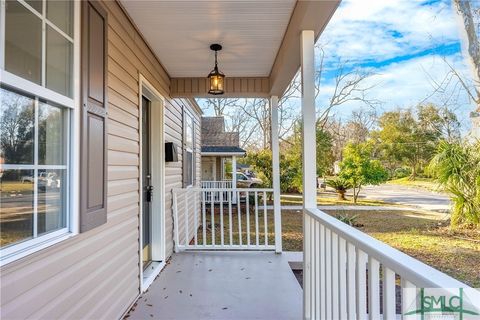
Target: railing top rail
{"x": 223, "y": 189}
{"x": 413, "y": 270}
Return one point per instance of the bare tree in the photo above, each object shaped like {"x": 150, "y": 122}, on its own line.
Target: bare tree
{"x": 349, "y": 86}
{"x": 220, "y": 105}
{"x": 468, "y": 15}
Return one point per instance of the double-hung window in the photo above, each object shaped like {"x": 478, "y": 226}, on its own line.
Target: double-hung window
{"x": 189, "y": 151}
{"x": 36, "y": 112}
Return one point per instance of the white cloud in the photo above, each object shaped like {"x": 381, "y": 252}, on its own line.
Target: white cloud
{"x": 383, "y": 29}
{"x": 406, "y": 84}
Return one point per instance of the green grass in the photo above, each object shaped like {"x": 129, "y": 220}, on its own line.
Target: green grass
{"x": 422, "y": 183}
{"x": 423, "y": 235}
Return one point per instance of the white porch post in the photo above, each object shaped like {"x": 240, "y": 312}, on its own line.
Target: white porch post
{"x": 234, "y": 177}
{"x": 308, "y": 116}
{"x": 277, "y": 210}
{"x": 307, "y": 42}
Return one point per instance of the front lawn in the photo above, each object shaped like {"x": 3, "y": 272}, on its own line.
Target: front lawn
{"x": 421, "y": 183}
{"x": 422, "y": 235}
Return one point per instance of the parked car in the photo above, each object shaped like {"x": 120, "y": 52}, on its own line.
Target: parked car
{"x": 243, "y": 181}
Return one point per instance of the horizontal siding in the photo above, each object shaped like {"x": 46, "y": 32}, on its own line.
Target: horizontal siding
{"x": 246, "y": 87}
{"x": 95, "y": 275}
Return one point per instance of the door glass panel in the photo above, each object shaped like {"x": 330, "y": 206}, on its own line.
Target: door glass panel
{"x": 51, "y": 200}
{"x": 146, "y": 181}
{"x": 23, "y": 42}
{"x": 61, "y": 14}
{"x": 59, "y": 63}
{"x": 16, "y": 206}
{"x": 17, "y": 118}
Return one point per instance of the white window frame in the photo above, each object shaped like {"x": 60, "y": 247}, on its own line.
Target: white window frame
{"x": 191, "y": 148}
{"x": 40, "y": 92}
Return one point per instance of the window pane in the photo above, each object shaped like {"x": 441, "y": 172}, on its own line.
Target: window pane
{"x": 51, "y": 200}
{"x": 23, "y": 42}
{"x": 61, "y": 14}
{"x": 52, "y": 135}
{"x": 36, "y": 4}
{"x": 189, "y": 131}
{"x": 16, "y": 206}
{"x": 17, "y": 126}
{"x": 59, "y": 63}
{"x": 189, "y": 172}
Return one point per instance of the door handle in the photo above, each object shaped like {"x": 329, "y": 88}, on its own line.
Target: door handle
{"x": 149, "y": 193}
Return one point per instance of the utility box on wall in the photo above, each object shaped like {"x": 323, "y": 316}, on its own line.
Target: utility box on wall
{"x": 171, "y": 154}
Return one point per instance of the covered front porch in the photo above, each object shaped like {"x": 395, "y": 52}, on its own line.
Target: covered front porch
{"x": 229, "y": 261}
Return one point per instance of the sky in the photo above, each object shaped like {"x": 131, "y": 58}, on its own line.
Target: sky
{"x": 404, "y": 44}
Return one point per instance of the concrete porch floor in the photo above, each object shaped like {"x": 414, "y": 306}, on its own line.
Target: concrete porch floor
{"x": 223, "y": 285}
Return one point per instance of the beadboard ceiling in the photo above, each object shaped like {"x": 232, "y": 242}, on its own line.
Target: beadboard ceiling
{"x": 180, "y": 33}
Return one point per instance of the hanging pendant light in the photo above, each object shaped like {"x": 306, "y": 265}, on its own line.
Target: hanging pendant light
{"x": 215, "y": 76}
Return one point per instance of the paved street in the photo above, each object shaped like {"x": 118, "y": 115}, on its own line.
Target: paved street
{"x": 408, "y": 196}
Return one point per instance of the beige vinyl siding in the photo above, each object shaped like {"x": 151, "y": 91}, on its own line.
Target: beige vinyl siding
{"x": 95, "y": 275}
{"x": 173, "y": 170}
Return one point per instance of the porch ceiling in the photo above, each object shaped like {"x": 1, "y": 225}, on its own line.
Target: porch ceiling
{"x": 259, "y": 39}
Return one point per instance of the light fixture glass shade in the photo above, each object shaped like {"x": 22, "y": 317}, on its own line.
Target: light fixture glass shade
{"x": 216, "y": 82}
{"x": 215, "y": 77}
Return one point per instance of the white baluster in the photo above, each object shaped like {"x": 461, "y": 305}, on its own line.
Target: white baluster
{"x": 351, "y": 288}
{"x": 388, "y": 294}
{"x": 361, "y": 285}
{"x": 373, "y": 289}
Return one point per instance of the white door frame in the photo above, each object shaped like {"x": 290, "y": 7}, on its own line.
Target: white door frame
{"x": 157, "y": 160}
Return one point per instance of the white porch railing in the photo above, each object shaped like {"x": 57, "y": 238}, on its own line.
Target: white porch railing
{"x": 217, "y": 184}
{"x": 202, "y": 223}
{"x": 343, "y": 268}
{"x": 218, "y": 196}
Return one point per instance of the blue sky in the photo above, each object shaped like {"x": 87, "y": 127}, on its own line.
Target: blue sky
{"x": 404, "y": 43}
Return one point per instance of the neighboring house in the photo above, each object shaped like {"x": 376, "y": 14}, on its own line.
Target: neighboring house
{"x": 218, "y": 146}
{"x": 98, "y": 96}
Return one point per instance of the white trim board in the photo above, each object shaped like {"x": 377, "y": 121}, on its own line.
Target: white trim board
{"x": 157, "y": 159}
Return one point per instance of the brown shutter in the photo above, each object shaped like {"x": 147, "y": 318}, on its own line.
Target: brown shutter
{"x": 93, "y": 172}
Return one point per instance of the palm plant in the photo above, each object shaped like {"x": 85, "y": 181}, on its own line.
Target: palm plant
{"x": 456, "y": 166}
{"x": 340, "y": 185}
